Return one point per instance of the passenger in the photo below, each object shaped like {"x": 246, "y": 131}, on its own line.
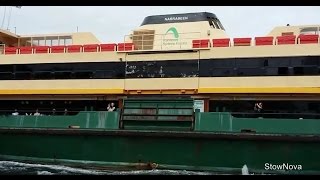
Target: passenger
{"x": 111, "y": 107}
{"x": 37, "y": 113}
{"x": 15, "y": 113}
{"x": 258, "y": 107}
{"x": 53, "y": 111}
{"x": 65, "y": 112}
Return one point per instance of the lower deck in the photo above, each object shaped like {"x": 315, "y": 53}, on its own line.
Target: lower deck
{"x": 166, "y": 133}
{"x": 274, "y": 106}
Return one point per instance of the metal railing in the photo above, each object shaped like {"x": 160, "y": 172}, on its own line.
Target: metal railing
{"x": 303, "y": 115}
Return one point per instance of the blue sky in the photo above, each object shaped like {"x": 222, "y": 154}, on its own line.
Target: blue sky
{"x": 111, "y": 24}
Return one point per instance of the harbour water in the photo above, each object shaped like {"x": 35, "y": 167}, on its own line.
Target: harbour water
{"x": 19, "y": 168}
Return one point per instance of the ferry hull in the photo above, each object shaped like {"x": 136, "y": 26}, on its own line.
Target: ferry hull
{"x": 133, "y": 149}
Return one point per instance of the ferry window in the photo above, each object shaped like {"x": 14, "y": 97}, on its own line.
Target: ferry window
{"x": 220, "y": 63}
{"x": 305, "y": 61}
{"x": 250, "y": 71}
{"x": 83, "y": 75}
{"x": 175, "y": 69}
{"x": 216, "y": 24}
{"x": 48, "y": 42}
{"x": 278, "y": 62}
{"x": 305, "y": 70}
{"x": 102, "y": 74}
{"x": 62, "y": 75}
{"x": 283, "y": 71}
{"x": 211, "y": 23}
{"x": 68, "y": 42}
{"x": 22, "y": 75}
{"x": 6, "y": 75}
{"x": 240, "y": 63}
{"x": 43, "y": 75}
{"x": 61, "y": 42}
{"x": 271, "y": 71}
{"x": 54, "y": 42}
{"x": 219, "y": 67}
{"x": 35, "y": 42}
{"x": 6, "y": 68}
{"x": 220, "y": 72}
{"x": 42, "y": 42}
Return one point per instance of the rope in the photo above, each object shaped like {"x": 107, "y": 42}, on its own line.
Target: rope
{"x": 4, "y": 16}
{"x": 9, "y": 18}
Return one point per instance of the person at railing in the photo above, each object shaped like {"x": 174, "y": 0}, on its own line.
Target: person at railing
{"x": 258, "y": 107}
{"x": 37, "y": 113}
{"x": 53, "y": 112}
{"x": 65, "y": 112}
{"x": 111, "y": 107}
{"x": 16, "y": 113}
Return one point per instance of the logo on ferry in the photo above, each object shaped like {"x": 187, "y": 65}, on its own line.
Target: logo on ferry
{"x": 174, "y": 31}
{"x": 172, "y": 38}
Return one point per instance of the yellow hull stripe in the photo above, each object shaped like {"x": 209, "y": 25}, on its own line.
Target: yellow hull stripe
{"x": 261, "y": 90}
{"x": 281, "y": 90}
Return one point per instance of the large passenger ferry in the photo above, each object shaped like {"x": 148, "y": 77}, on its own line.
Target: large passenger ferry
{"x": 175, "y": 78}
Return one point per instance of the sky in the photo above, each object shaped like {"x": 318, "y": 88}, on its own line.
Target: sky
{"x": 112, "y": 23}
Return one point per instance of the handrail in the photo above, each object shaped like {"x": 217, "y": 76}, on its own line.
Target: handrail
{"x": 160, "y": 44}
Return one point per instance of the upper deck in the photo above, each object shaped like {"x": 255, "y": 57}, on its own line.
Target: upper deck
{"x": 80, "y": 64}
{"x": 172, "y": 36}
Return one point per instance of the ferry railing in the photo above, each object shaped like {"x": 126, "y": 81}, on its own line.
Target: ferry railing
{"x": 158, "y": 42}
{"x": 275, "y": 115}
{"x": 60, "y": 111}
{"x": 28, "y": 112}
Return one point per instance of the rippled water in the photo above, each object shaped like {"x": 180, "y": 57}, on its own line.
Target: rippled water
{"x": 19, "y": 168}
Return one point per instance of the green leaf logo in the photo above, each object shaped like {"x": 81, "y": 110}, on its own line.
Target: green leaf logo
{"x": 174, "y": 31}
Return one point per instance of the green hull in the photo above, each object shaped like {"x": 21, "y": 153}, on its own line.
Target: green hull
{"x": 164, "y": 134}
{"x": 161, "y": 150}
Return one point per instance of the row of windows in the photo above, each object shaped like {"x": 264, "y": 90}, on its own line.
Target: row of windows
{"x": 285, "y": 66}
{"x": 272, "y": 71}
{"x": 20, "y": 75}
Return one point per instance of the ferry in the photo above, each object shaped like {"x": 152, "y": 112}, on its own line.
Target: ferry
{"x": 184, "y": 96}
